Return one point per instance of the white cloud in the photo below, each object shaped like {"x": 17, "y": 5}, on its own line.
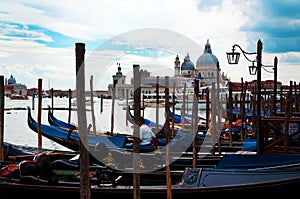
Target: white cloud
{"x": 96, "y": 20}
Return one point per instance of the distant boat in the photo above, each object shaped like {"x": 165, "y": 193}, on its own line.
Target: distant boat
{"x": 18, "y": 97}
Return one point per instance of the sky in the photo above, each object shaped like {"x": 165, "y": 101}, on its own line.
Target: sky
{"x": 38, "y": 38}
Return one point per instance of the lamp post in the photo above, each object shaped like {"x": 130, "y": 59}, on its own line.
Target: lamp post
{"x": 233, "y": 58}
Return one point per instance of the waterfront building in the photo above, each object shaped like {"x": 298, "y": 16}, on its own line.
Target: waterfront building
{"x": 121, "y": 88}
{"x": 185, "y": 74}
{"x": 12, "y": 87}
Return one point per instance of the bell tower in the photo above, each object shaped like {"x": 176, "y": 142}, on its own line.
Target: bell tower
{"x": 177, "y": 66}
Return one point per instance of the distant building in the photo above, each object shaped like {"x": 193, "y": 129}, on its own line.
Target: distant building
{"x": 12, "y": 87}
{"x": 121, "y": 89}
{"x": 206, "y": 71}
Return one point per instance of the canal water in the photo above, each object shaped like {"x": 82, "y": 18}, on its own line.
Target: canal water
{"x": 17, "y": 131}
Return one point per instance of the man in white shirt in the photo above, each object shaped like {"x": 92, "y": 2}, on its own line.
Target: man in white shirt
{"x": 146, "y": 135}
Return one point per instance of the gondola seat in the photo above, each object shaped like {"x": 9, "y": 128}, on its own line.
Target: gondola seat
{"x": 36, "y": 171}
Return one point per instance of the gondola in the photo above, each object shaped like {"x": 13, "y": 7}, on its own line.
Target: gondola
{"x": 70, "y": 138}
{"x": 120, "y": 146}
{"x": 259, "y": 173}
{"x": 56, "y": 122}
{"x": 14, "y": 152}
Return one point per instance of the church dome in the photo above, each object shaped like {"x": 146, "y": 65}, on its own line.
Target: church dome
{"x": 187, "y": 64}
{"x": 11, "y": 80}
{"x": 207, "y": 58}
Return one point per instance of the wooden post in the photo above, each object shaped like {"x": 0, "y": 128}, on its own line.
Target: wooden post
{"x": 282, "y": 103}
{"x": 1, "y": 116}
{"x": 207, "y": 108}
{"x": 236, "y": 107}
{"x": 286, "y": 122}
{"x": 136, "y": 131}
{"x": 101, "y": 104}
{"x": 187, "y": 103}
{"x": 167, "y": 133}
{"x": 82, "y": 123}
{"x": 157, "y": 104}
{"x": 92, "y": 105}
{"x": 173, "y": 110}
{"x": 183, "y": 106}
{"x": 52, "y": 100}
{"x": 288, "y": 113}
{"x": 127, "y": 108}
{"x": 219, "y": 108}
{"x": 39, "y": 119}
{"x": 213, "y": 118}
{"x": 113, "y": 107}
{"x": 33, "y": 96}
{"x": 244, "y": 129}
{"x": 143, "y": 105}
{"x": 70, "y": 105}
{"x": 230, "y": 114}
{"x": 296, "y": 98}
{"x": 242, "y": 109}
{"x": 195, "y": 121}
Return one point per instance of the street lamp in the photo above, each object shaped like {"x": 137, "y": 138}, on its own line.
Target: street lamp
{"x": 252, "y": 69}
{"x": 233, "y": 58}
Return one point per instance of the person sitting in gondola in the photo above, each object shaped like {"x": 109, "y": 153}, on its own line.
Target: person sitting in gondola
{"x": 147, "y": 137}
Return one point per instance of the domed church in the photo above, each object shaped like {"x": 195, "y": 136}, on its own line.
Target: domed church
{"x": 12, "y": 87}
{"x": 185, "y": 73}
{"x": 206, "y": 66}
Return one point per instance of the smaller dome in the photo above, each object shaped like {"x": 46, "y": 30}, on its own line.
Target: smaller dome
{"x": 11, "y": 80}
{"x": 187, "y": 64}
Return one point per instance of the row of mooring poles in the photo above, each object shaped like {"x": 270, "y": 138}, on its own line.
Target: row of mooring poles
{"x": 136, "y": 131}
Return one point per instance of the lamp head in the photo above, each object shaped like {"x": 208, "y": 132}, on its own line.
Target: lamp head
{"x": 252, "y": 69}
{"x": 233, "y": 57}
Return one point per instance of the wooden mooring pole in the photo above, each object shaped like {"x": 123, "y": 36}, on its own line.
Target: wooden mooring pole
{"x": 33, "y": 96}
{"x": 39, "y": 119}
{"x": 157, "y": 104}
{"x": 82, "y": 123}
{"x": 92, "y": 105}
{"x": 195, "y": 121}
{"x": 112, "y": 120}
{"x": 167, "y": 133}
{"x": 183, "y": 106}
{"x": 1, "y": 116}
{"x": 70, "y": 106}
{"x": 136, "y": 131}
{"x": 52, "y": 100}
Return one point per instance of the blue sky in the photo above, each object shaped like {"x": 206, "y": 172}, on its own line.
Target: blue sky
{"x": 37, "y": 38}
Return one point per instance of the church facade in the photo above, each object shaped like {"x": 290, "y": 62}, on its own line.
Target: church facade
{"x": 12, "y": 87}
{"x": 185, "y": 73}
